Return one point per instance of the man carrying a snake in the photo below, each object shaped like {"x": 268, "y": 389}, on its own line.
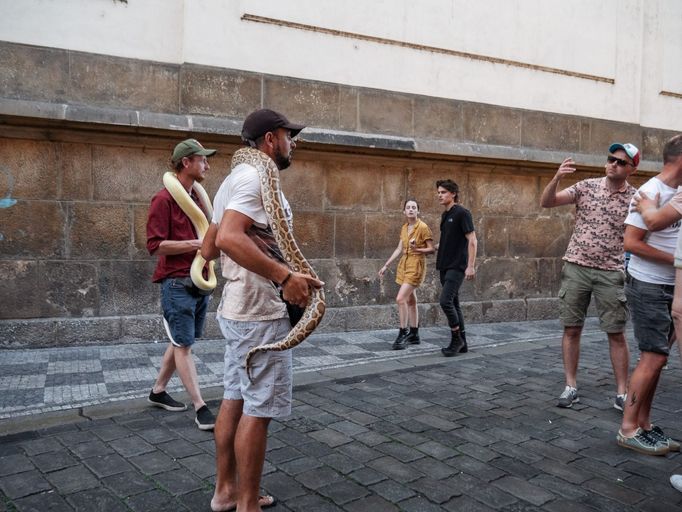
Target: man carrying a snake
{"x": 171, "y": 236}
{"x": 252, "y": 313}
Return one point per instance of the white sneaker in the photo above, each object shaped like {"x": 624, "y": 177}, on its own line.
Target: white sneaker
{"x": 619, "y": 402}
{"x": 568, "y": 397}
{"x": 676, "y": 482}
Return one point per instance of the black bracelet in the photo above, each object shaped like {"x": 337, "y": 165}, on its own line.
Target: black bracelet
{"x": 284, "y": 281}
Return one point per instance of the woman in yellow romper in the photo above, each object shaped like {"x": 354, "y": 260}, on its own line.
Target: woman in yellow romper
{"x": 416, "y": 241}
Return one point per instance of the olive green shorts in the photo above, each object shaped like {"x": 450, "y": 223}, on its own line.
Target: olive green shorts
{"x": 579, "y": 284}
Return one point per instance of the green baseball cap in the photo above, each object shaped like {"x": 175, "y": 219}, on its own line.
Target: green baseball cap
{"x": 190, "y": 147}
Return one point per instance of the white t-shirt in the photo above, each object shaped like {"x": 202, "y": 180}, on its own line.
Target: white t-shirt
{"x": 664, "y": 240}
{"x": 676, "y": 202}
{"x": 247, "y": 296}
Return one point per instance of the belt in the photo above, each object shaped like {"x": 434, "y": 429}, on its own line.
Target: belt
{"x": 191, "y": 287}
{"x": 666, "y": 287}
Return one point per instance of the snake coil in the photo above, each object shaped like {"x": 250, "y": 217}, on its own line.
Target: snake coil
{"x": 268, "y": 174}
{"x": 199, "y": 221}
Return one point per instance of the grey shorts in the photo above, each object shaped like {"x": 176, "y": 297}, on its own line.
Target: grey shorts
{"x": 579, "y": 284}
{"x": 650, "y": 308}
{"x": 269, "y": 396}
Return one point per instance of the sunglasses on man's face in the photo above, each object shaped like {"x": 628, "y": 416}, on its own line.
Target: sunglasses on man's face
{"x": 610, "y": 159}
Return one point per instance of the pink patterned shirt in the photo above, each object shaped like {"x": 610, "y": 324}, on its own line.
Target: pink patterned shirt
{"x": 597, "y": 240}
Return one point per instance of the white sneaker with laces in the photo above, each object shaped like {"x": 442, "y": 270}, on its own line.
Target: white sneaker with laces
{"x": 619, "y": 402}
{"x": 568, "y": 397}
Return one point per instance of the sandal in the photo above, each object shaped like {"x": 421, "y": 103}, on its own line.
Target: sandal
{"x": 264, "y": 502}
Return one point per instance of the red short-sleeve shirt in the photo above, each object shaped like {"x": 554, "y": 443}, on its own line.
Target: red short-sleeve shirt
{"x": 167, "y": 221}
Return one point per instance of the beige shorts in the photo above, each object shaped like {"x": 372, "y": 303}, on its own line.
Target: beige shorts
{"x": 269, "y": 396}
{"x": 579, "y": 284}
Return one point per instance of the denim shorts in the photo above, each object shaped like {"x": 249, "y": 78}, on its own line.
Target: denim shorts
{"x": 269, "y": 395}
{"x": 580, "y": 284}
{"x": 650, "y": 308}
{"x": 184, "y": 312}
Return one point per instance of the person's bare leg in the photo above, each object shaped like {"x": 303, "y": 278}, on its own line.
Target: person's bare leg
{"x": 677, "y": 309}
{"x": 250, "y": 445}
{"x": 570, "y": 348}
{"x": 184, "y": 364}
{"x": 403, "y": 299}
{"x": 657, "y": 363}
{"x": 412, "y": 310}
{"x": 225, "y": 494}
{"x": 166, "y": 371}
{"x": 620, "y": 360}
{"x": 641, "y": 391}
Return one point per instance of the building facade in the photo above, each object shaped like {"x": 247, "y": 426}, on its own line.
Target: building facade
{"x": 95, "y": 93}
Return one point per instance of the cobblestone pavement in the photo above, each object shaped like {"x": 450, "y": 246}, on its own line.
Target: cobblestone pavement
{"x": 478, "y": 432}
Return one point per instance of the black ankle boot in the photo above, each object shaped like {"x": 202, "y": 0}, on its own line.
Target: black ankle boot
{"x": 455, "y": 347}
{"x": 413, "y": 336}
{"x": 400, "y": 342}
{"x": 465, "y": 348}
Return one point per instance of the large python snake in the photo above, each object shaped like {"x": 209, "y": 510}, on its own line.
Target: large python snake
{"x": 268, "y": 174}
{"x": 199, "y": 220}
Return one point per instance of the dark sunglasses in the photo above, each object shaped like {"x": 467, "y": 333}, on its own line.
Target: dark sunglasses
{"x": 610, "y": 159}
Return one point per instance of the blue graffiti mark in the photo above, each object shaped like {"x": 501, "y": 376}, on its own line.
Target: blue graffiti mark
{"x": 7, "y": 201}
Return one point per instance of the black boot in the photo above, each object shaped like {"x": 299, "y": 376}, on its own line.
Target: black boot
{"x": 413, "y": 336}
{"x": 465, "y": 348}
{"x": 455, "y": 347}
{"x": 400, "y": 343}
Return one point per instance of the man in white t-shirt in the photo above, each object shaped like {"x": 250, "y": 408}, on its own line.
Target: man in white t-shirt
{"x": 649, "y": 289}
{"x": 252, "y": 313}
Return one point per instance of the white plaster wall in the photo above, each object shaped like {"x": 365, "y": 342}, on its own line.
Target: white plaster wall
{"x": 141, "y": 29}
{"x": 662, "y": 65}
{"x": 634, "y": 42}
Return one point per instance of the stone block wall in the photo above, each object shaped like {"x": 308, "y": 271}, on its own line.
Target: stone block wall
{"x": 76, "y": 269}
{"x": 84, "y": 140}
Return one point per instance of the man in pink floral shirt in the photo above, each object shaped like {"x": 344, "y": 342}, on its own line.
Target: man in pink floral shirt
{"x": 594, "y": 262}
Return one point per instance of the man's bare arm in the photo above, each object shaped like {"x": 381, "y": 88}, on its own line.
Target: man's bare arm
{"x": 172, "y": 247}
{"x": 633, "y": 242}
{"x": 655, "y": 218}
{"x": 233, "y": 241}
{"x": 550, "y": 197}
{"x": 209, "y": 250}
{"x": 472, "y": 247}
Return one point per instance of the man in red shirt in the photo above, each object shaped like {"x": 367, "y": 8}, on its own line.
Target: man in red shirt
{"x": 172, "y": 237}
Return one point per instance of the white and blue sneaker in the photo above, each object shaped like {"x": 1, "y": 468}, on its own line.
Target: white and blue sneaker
{"x": 568, "y": 397}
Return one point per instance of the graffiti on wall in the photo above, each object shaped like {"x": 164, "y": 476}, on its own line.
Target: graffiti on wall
{"x": 7, "y": 201}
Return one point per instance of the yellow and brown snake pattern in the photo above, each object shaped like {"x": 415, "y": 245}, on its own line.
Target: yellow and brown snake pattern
{"x": 200, "y": 220}
{"x": 270, "y": 192}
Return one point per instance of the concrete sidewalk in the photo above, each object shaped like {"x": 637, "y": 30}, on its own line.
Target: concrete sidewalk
{"x": 372, "y": 429}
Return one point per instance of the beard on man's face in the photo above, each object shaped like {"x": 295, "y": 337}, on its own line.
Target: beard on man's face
{"x": 282, "y": 161}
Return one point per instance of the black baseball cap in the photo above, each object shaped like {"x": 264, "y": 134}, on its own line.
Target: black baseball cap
{"x": 262, "y": 121}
